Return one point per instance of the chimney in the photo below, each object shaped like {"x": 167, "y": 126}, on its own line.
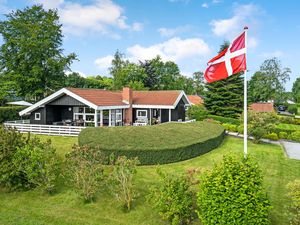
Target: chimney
{"x": 127, "y": 98}
{"x": 127, "y": 95}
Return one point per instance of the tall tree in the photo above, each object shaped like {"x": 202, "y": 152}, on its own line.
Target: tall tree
{"x": 268, "y": 83}
{"x": 198, "y": 83}
{"x": 225, "y": 97}
{"x": 31, "y": 55}
{"x": 296, "y": 90}
{"x": 117, "y": 70}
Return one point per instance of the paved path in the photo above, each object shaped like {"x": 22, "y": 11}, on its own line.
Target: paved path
{"x": 292, "y": 149}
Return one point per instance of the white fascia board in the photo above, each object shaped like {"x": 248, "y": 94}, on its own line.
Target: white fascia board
{"x": 54, "y": 96}
{"x": 153, "y": 106}
{"x": 182, "y": 94}
{"x": 113, "y": 107}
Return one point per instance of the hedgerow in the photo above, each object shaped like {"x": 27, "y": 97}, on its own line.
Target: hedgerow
{"x": 8, "y": 113}
{"x": 158, "y": 144}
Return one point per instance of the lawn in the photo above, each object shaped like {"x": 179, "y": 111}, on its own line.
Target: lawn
{"x": 33, "y": 207}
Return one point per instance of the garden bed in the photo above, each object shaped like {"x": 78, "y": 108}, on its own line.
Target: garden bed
{"x": 158, "y": 144}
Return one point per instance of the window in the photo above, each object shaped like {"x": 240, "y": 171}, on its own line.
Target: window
{"x": 37, "y": 116}
{"x": 141, "y": 113}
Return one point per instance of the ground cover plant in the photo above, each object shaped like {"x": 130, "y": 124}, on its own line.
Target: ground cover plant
{"x": 159, "y": 144}
{"x": 34, "y": 207}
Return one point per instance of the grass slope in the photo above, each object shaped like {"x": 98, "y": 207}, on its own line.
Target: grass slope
{"x": 291, "y": 127}
{"x": 33, "y": 207}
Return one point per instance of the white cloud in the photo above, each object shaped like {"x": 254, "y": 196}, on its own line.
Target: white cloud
{"x": 79, "y": 72}
{"x": 104, "y": 62}
{"x": 101, "y": 16}
{"x": 268, "y": 55}
{"x": 137, "y": 26}
{"x": 204, "y": 5}
{"x": 175, "y": 49}
{"x": 216, "y": 1}
{"x": 170, "y": 32}
{"x": 242, "y": 15}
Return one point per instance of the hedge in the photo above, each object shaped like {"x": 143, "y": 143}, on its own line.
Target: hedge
{"x": 163, "y": 149}
{"x": 225, "y": 119}
{"x": 8, "y": 113}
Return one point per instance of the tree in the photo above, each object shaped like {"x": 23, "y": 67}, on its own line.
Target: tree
{"x": 268, "y": 83}
{"x": 117, "y": 70}
{"x": 31, "y": 55}
{"x": 198, "y": 79}
{"x": 296, "y": 90}
{"x": 225, "y": 97}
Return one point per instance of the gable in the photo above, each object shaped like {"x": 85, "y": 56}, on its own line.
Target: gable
{"x": 66, "y": 100}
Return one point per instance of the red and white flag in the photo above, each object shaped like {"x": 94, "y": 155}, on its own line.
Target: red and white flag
{"x": 230, "y": 61}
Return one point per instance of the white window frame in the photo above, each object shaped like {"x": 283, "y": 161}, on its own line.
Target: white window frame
{"x": 139, "y": 110}
{"x": 37, "y": 116}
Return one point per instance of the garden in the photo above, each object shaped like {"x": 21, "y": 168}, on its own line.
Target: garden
{"x": 84, "y": 190}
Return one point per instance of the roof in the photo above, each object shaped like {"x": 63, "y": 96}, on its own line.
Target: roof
{"x": 155, "y": 97}
{"x": 262, "y": 107}
{"x": 22, "y": 103}
{"x": 104, "y": 99}
{"x": 99, "y": 97}
{"x": 195, "y": 99}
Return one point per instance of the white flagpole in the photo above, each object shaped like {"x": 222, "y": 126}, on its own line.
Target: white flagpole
{"x": 245, "y": 101}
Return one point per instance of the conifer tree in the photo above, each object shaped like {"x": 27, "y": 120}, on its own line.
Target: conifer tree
{"x": 225, "y": 97}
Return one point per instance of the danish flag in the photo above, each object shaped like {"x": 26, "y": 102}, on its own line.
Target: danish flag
{"x": 230, "y": 61}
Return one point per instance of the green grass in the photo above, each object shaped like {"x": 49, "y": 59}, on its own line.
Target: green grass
{"x": 34, "y": 207}
{"x": 291, "y": 127}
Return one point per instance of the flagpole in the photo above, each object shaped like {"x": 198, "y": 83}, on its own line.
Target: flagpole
{"x": 245, "y": 102}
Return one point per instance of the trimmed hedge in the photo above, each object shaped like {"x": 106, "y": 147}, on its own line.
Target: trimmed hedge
{"x": 8, "y": 113}
{"x": 225, "y": 119}
{"x": 157, "y": 144}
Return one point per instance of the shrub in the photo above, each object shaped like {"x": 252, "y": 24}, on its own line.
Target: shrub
{"x": 232, "y": 193}
{"x": 272, "y": 136}
{"x": 123, "y": 172}
{"x": 260, "y": 124}
{"x": 84, "y": 171}
{"x": 197, "y": 112}
{"x": 295, "y": 136}
{"x": 294, "y": 206}
{"x": 225, "y": 119}
{"x": 283, "y": 135}
{"x": 230, "y": 127}
{"x": 240, "y": 129}
{"x": 8, "y": 113}
{"x": 27, "y": 162}
{"x": 174, "y": 198}
{"x": 38, "y": 163}
{"x": 292, "y": 109}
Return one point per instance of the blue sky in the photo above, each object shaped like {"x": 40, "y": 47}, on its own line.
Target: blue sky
{"x": 188, "y": 32}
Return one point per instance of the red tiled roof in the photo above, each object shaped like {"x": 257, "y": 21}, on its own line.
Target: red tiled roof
{"x": 155, "y": 97}
{"x": 101, "y": 97}
{"x": 195, "y": 99}
{"x": 262, "y": 107}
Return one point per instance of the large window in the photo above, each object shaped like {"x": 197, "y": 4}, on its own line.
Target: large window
{"x": 141, "y": 113}
{"x": 84, "y": 114}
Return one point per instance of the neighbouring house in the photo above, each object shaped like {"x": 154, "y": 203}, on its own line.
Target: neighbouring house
{"x": 195, "y": 99}
{"x": 96, "y": 107}
{"x": 262, "y": 107}
{"x": 19, "y": 103}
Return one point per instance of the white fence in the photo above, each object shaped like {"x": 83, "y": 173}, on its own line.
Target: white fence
{"x": 45, "y": 129}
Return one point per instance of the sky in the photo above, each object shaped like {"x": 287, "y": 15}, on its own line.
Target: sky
{"x": 188, "y": 32}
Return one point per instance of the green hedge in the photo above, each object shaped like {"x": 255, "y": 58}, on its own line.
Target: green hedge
{"x": 8, "y": 113}
{"x": 157, "y": 144}
{"x": 225, "y": 119}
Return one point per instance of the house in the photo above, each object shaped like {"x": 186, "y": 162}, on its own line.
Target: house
{"x": 195, "y": 99}
{"x": 96, "y": 107}
{"x": 262, "y": 107}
